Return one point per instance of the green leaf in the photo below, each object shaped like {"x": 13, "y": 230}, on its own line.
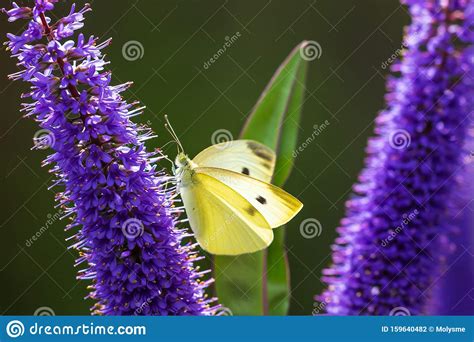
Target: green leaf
{"x": 258, "y": 283}
{"x": 278, "y": 275}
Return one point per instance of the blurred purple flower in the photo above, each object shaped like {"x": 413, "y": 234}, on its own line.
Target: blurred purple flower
{"x": 386, "y": 259}
{"x": 456, "y": 283}
{"x": 134, "y": 254}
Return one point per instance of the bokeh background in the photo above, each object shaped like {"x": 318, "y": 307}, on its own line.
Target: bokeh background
{"x": 345, "y": 86}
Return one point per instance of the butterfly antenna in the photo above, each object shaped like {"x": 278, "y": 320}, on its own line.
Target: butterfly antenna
{"x": 169, "y": 142}
{"x": 173, "y": 134}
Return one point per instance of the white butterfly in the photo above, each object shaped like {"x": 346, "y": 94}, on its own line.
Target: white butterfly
{"x": 228, "y": 199}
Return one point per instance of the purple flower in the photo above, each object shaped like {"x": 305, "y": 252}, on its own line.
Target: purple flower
{"x": 387, "y": 257}
{"x": 119, "y": 207}
{"x": 18, "y": 12}
{"x": 456, "y": 282}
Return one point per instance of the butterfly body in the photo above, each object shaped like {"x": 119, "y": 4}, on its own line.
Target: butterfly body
{"x": 231, "y": 205}
{"x": 184, "y": 169}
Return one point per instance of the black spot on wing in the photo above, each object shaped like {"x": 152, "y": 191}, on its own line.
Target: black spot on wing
{"x": 246, "y": 171}
{"x": 251, "y": 211}
{"x": 260, "y": 151}
{"x": 261, "y": 200}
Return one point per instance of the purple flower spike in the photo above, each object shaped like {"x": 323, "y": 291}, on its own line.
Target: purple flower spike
{"x": 112, "y": 190}
{"x": 388, "y": 255}
{"x": 456, "y": 282}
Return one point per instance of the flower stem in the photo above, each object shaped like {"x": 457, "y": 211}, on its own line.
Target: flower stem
{"x": 60, "y": 61}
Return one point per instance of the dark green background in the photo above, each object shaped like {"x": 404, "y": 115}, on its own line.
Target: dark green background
{"x": 346, "y": 86}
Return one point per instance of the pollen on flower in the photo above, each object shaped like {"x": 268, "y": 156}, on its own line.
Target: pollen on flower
{"x": 108, "y": 176}
{"x": 412, "y": 167}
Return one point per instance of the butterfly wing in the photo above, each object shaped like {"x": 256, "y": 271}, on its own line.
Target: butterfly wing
{"x": 243, "y": 156}
{"x": 273, "y": 203}
{"x": 223, "y": 221}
